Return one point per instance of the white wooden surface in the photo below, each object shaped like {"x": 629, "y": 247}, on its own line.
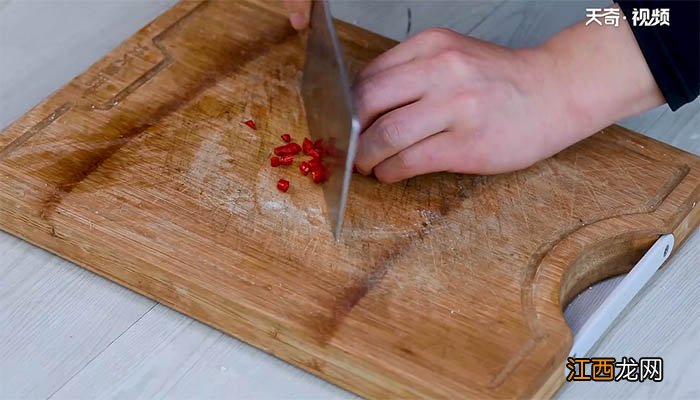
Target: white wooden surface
{"x": 69, "y": 334}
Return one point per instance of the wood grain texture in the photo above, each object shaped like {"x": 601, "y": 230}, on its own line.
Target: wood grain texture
{"x": 161, "y": 189}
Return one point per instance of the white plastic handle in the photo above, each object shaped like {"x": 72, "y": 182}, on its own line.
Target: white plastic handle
{"x": 624, "y": 292}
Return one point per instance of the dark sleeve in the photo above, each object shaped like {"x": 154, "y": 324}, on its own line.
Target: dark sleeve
{"x": 672, "y": 52}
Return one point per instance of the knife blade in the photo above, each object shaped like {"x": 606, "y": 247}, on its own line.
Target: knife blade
{"x": 330, "y": 114}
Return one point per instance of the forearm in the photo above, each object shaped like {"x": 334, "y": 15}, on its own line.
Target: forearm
{"x": 605, "y": 76}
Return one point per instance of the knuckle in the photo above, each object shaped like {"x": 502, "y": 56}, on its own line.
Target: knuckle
{"x": 468, "y": 104}
{"x": 362, "y": 103}
{"x": 361, "y": 91}
{"x": 435, "y": 35}
{"x": 452, "y": 61}
{"x": 389, "y": 133}
{"x": 365, "y": 92}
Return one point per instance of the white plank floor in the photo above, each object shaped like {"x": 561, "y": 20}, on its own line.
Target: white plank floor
{"x": 69, "y": 334}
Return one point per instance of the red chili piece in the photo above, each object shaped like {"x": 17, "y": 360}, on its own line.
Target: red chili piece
{"x": 251, "y": 124}
{"x": 275, "y": 161}
{"x": 287, "y": 160}
{"x": 283, "y": 185}
{"x": 318, "y": 174}
{"x": 314, "y": 162}
{"x": 287, "y": 149}
{"x": 287, "y": 138}
{"x": 304, "y": 167}
{"x": 307, "y": 145}
{"x": 314, "y": 153}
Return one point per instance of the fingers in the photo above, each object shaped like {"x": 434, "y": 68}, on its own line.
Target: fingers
{"x": 434, "y": 154}
{"x": 390, "y": 89}
{"x": 422, "y": 45}
{"x": 403, "y": 102}
{"x": 399, "y": 130}
{"x": 299, "y": 11}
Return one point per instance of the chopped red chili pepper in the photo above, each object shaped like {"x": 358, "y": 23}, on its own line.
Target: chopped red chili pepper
{"x": 307, "y": 145}
{"x": 284, "y": 155}
{"x": 319, "y": 174}
{"x": 287, "y": 149}
{"x": 315, "y": 162}
{"x": 251, "y": 124}
{"x": 304, "y": 167}
{"x": 314, "y": 153}
{"x": 283, "y": 185}
{"x": 287, "y": 160}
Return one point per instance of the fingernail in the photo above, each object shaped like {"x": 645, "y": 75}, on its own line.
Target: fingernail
{"x": 298, "y": 21}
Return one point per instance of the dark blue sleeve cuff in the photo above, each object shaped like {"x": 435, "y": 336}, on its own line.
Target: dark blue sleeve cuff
{"x": 671, "y": 51}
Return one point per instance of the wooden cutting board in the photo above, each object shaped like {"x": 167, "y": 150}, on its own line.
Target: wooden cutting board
{"x": 141, "y": 170}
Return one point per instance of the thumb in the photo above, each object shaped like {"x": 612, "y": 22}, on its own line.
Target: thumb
{"x": 299, "y": 11}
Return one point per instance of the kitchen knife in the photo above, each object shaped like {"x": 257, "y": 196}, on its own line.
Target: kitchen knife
{"x": 325, "y": 90}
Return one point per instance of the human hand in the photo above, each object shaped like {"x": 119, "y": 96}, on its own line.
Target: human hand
{"x": 299, "y": 11}
{"x": 444, "y": 102}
